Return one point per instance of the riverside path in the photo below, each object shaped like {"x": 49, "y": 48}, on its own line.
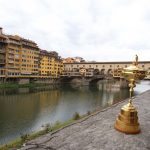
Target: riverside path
{"x": 96, "y": 132}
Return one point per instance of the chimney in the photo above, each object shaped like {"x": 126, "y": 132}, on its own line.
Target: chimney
{"x": 1, "y": 31}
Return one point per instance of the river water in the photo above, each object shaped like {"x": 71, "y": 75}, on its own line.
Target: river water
{"x": 25, "y": 110}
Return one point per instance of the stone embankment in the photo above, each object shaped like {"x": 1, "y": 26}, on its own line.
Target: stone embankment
{"x": 97, "y": 132}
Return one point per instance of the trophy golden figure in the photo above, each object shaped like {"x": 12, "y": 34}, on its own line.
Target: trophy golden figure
{"x": 127, "y": 120}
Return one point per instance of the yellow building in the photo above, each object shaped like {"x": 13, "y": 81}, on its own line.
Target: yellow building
{"x": 2, "y": 54}
{"x": 21, "y": 58}
{"x": 50, "y": 64}
{"x": 13, "y": 56}
{"x": 29, "y": 58}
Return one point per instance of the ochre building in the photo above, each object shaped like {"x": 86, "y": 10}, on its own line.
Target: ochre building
{"x": 50, "y": 64}
{"x": 22, "y": 58}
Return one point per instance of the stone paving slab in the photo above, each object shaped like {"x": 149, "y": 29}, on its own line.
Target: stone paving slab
{"x": 97, "y": 131}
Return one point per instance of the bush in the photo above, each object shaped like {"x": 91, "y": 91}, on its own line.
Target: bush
{"x": 24, "y": 137}
{"x": 76, "y": 116}
{"x": 88, "y": 113}
{"x": 47, "y": 128}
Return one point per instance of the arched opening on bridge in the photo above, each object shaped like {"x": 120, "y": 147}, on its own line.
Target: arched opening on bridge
{"x": 102, "y": 71}
{"x": 82, "y": 71}
{"x": 96, "y": 71}
{"x": 109, "y": 72}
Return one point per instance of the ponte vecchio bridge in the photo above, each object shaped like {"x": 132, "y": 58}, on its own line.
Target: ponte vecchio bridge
{"x": 95, "y": 70}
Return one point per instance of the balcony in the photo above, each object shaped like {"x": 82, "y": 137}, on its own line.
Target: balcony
{"x": 11, "y": 52}
{"x": 11, "y": 67}
{"x": 14, "y": 42}
{"x": 11, "y": 57}
{"x": 3, "y": 40}
{"x": 10, "y": 61}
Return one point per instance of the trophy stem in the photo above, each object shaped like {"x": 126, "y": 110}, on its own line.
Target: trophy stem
{"x": 130, "y": 101}
{"x": 131, "y": 93}
{"x": 131, "y": 85}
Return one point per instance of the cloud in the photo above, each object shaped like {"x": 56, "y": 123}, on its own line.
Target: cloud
{"x": 101, "y": 30}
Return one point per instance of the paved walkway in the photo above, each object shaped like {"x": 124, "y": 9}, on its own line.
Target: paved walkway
{"x": 97, "y": 132}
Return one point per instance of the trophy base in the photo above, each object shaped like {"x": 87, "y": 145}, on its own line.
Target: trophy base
{"x": 127, "y": 121}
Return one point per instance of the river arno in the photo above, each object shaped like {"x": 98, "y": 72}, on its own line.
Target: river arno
{"x": 25, "y": 110}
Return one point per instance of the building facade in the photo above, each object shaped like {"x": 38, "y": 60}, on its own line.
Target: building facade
{"x": 50, "y": 64}
{"x": 19, "y": 57}
{"x": 30, "y": 54}
{"x": 22, "y": 58}
{"x": 13, "y": 56}
{"x": 2, "y": 54}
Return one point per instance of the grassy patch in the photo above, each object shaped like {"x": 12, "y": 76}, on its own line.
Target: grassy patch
{"x": 76, "y": 116}
{"x": 16, "y": 85}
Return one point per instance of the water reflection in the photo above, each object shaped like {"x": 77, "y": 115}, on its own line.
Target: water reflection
{"x": 26, "y": 109}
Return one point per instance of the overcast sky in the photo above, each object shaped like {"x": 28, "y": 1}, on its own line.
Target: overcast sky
{"x": 101, "y": 30}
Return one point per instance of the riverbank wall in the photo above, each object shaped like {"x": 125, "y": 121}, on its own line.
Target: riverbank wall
{"x": 28, "y": 83}
{"x": 97, "y": 131}
{"x": 117, "y": 83}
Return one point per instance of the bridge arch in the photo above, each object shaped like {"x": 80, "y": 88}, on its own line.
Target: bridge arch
{"x": 102, "y": 71}
{"x": 109, "y": 72}
{"x": 82, "y": 71}
{"x": 96, "y": 71}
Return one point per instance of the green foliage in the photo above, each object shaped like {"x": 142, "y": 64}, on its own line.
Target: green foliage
{"x": 57, "y": 123}
{"x": 12, "y": 145}
{"x": 76, "y": 116}
{"x": 88, "y": 112}
{"x": 16, "y": 85}
{"x": 24, "y": 137}
{"x": 48, "y": 128}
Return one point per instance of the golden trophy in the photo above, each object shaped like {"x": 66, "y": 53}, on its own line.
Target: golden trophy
{"x": 127, "y": 120}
